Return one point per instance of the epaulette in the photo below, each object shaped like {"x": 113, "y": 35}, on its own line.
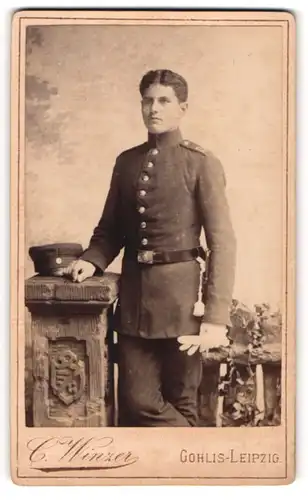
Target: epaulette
{"x": 193, "y": 147}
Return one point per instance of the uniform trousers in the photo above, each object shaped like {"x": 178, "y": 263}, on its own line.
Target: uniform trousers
{"x": 158, "y": 383}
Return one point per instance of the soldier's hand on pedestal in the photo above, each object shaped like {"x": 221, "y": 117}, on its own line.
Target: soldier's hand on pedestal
{"x": 80, "y": 270}
{"x": 210, "y": 336}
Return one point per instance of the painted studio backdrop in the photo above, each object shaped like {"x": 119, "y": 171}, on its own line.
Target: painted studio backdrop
{"x": 83, "y": 109}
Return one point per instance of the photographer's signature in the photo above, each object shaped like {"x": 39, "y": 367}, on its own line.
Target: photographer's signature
{"x": 67, "y": 453}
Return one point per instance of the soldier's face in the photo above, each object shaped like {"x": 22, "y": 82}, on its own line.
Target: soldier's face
{"x": 161, "y": 109}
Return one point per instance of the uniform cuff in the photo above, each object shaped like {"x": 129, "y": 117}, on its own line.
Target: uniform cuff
{"x": 217, "y": 317}
{"x": 95, "y": 257}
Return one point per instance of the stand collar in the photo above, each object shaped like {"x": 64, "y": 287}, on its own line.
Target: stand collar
{"x": 165, "y": 140}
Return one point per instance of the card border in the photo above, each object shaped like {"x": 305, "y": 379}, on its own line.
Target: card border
{"x": 286, "y": 20}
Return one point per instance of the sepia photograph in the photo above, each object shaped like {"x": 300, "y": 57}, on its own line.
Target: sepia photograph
{"x": 153, "y": 238}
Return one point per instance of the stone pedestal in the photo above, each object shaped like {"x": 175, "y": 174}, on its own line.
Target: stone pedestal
{"x": 72, "y": 355}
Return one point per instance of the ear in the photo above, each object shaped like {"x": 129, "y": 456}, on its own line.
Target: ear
{"x": 184, "y": 107}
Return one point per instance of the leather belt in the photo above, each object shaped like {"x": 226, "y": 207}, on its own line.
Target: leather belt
{"x": 155, "y": 257}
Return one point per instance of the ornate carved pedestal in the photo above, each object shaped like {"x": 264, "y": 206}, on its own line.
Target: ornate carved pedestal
{"x": 72, "y": 366}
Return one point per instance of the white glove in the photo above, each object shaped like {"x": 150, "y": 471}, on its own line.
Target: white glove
{"x": 210, "y": 336}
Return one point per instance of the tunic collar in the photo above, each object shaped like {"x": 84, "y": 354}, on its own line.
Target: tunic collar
{"x": 165, "y": 140}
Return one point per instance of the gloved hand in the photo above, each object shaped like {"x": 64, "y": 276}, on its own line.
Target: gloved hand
{"x": 79, "y": 270}
{"x": 210, "y": 336}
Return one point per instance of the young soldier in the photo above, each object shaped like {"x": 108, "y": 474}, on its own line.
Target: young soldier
{"x": 162, "y": 193}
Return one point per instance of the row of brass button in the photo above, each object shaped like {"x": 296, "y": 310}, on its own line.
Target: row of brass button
{"x": 143, "y": 193}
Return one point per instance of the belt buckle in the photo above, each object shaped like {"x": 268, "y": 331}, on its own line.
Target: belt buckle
{"x": 145, "y": 256}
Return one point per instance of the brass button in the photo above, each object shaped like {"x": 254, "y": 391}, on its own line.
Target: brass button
{"x": 145, "y": 178}
{"x": 143, "y": 225}
{"x": 58, "y": 260}
{"x": 141, "y": 210}
{"x": 142, "y": 192}
{"x": 154, "y": 152}
{"x": 144, "y": 241}
{"x": 150, "y": 164}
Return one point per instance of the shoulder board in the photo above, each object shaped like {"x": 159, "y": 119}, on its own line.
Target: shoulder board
{"x": 193, "y": 147}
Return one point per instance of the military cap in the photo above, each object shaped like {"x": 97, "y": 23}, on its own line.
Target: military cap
{"x": 52, "y": 259}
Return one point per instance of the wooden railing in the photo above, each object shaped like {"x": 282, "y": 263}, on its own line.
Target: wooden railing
{"x": 242, "y": 383}
{"x": 74, "y": 359}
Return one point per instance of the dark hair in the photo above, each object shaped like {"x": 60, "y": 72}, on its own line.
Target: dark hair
{"x": 168, "y": 78}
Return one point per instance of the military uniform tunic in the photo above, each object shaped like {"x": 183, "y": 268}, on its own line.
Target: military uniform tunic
{"x": 162, "y": 193}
